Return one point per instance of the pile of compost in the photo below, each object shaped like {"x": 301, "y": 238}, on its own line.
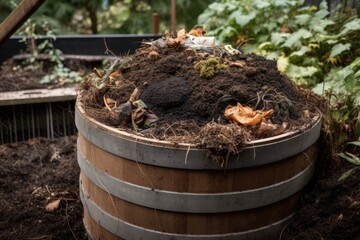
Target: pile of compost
{"x": 206, "y": 95}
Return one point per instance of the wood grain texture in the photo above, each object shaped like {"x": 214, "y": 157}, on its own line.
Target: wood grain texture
{"x": 195, "y": 181}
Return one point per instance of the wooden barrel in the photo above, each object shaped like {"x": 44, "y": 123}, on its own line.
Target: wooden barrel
{"x": 138, "y": 188}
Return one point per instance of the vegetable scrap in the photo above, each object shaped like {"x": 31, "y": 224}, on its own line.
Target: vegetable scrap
{"x": 136, "y": 111}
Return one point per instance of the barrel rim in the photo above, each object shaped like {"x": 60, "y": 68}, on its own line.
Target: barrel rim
{"x": 182, "y": 156}
{"x": 163, "y": 143}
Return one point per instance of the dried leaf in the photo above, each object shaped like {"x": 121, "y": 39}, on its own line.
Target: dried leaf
{"x": 115, "y": 74}
{"x": 198, "y": 31}
{"x": 98, "y": 73}
{"x": 134, "y": 95}
{"x": 153, "y": 55}
{"x": 174, "y": 42}
{"x": 245, "y": 115}
{"x": 346, "y": 174}
{"x": 142, "y": 116}
{"x": 181, "y": 35}
{"x": 52, "y": 206}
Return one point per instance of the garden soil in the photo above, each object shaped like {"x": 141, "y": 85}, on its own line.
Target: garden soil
{"x": 184, "y": 101}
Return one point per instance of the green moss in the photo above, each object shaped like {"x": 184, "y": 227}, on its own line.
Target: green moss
{"x": 209, "y": 67}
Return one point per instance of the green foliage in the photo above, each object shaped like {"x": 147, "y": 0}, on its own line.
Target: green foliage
{"x": 234, "y": 21}
{"x": 209, "y": 67}
{"x": 59, "y": 73}
{"x": 111, "y": 16}
{"x": 305, "y": 42}
{"x": 314, "y": 50}
{"x": 351, "y": 158}
{"x": 62, "y": 74}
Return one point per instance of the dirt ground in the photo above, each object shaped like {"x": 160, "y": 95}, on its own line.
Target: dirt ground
{"x": 32, "y": 174}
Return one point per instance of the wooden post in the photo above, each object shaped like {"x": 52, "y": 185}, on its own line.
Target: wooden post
{"x": 173, "y": 16}
{"x": 156, "y": 23}
{"x": 17, "y": 17}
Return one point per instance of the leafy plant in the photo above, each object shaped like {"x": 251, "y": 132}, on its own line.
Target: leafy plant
{"x": 314, "y": 50}
{"x": 306, "y": 44}
{"x": 352, "y": 158}
{"x": 59, "y": 73}
{"x": 253, "y": 22}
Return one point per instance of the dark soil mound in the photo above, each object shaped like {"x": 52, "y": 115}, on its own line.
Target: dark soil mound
{"x": 185, "y": 101}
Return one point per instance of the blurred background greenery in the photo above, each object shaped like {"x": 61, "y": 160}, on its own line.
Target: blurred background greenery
{"x": 110, "y": 16}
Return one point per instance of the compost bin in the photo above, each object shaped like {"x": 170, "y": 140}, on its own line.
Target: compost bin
{"x": 165, "y": 154}
{"x": 137, "y": 188}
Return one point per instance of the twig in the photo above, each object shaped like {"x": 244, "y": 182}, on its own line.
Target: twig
{"x": 187, "y": 154}
{"x": 67, "y": 220}
{"x": 106, "y": 104}
{"x": 107, "y": 50}
{"x": 41, "y": 237}
{"x": 283, "y": 230}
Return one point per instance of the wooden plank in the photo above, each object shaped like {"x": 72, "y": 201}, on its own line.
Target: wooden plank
{"x": 37, "y": 96}
{"x": 84, "y": 58}
{"x": 17, "y": 17}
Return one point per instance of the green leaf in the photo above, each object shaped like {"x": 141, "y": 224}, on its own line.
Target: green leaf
{"x": 282, "y": 63}
{"x": 338, "y": 74}
{"x": 318, "y": 89}
{"x": 357, "y": 74}
{"x": 320, "y": 25}
{"x": 353, "y": 25}
{"x": 339, "y": 48}
{"x": 331, "y": 41}
{"x": 249, "y": 48}
{"x": 229, "y": 32}
{"x": 242, "y": 19}
{"x": 295, "y": 38}
{"x": 346, "y": 174}
{"x": 279, "y": 38}
{"x": 261, "y": 4}
{"x": 300, "y": 72}
{"x": 356, "y": 143}
{"x": 355, "y": 63}
{"x": 302, "y": 19}
{"x": 301, "y": 52}
{"x": 321, "y": 14}
{"x": 350, "y": 158}
{"x": 323, "y": 5}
